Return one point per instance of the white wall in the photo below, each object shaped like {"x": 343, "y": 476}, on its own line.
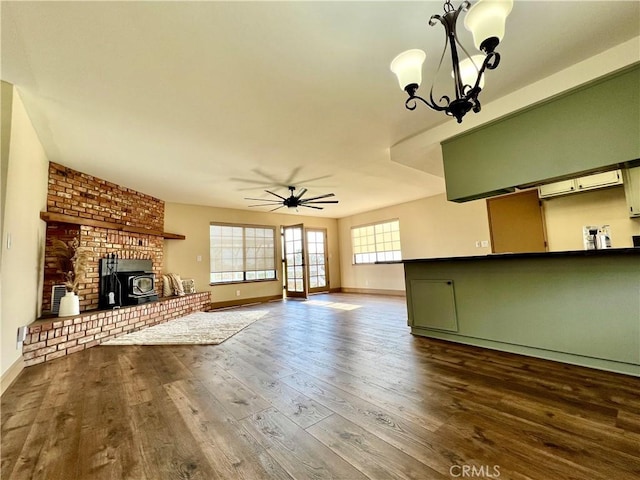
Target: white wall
{"x": 429, "y": 227}
{"x": 22, "y": 263}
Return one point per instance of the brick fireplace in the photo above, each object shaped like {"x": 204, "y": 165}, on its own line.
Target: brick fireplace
{"x": 105, "y": 218}
{"x": 91, "y": 200}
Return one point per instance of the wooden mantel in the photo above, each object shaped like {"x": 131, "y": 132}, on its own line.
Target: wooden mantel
{"x": 61, "y": 218}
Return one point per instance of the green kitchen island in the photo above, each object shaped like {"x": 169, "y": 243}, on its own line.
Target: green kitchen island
{"x": 578, "y": 307}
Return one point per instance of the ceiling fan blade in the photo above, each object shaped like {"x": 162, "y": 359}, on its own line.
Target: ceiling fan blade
{"x": 267, "y": 176}
{"x": 275, "y": 194}
{"x": 320, "y": 196}
{"x": 311, "y": 206}
{"x": 271, "y": 181}
{"x": 294, "y": 172}
{"x": 302, "y": 192}
{"x": 262, "y": 199}
{"x": 277, "y": 208}
{"x": 318, "y": 201}
{"x": 263, "y": 205}
{"x": 257, "y": 182}
{"x": 315, "y": 179}
{"x": 256, "y": 187}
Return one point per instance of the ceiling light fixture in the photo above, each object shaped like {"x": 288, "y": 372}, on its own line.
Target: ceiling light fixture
{"x": 485, "y": 20}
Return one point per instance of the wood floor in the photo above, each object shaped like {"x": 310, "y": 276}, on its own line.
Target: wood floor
{"x": 335, "y": 387}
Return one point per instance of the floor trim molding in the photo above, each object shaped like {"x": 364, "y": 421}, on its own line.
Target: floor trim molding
{"x": 11, "y": 374}
{"x": 374, "y": 291}
{"x": 243, "y": 301}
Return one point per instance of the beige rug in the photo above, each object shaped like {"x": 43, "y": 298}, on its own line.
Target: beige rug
{"x": 199, "y": 328}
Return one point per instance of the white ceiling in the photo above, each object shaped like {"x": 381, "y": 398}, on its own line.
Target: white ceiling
{"x": 210, "y": 102}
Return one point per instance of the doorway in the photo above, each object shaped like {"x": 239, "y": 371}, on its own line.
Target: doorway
{"x": 295, "y": 278}
{"x": 516, "y": 223}
{"x": 305, "y": 261}
{"x": 317, "y": 271}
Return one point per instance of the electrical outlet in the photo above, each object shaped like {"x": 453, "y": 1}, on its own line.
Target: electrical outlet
{"x": 199, "y": 258}
{"x": 485, "y": 243}
{"x": 237, "y": 293}
{"x": 478, "y": 243}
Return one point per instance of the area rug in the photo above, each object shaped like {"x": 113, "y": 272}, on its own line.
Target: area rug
{"x": 199, "y": 328}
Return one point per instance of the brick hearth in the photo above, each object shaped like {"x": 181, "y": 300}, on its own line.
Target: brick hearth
{"x": 56, "y": 337}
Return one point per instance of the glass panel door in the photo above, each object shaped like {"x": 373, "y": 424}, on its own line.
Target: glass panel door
{"x": 294, "y": 262}
{"x": 317, "y": 272}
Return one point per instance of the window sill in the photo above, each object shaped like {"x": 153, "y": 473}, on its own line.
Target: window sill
{"x": 237, "y": 282}
{"x": 389, "y": 262}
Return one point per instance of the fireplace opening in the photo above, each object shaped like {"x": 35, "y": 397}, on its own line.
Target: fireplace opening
{"x": 126, "y": 282}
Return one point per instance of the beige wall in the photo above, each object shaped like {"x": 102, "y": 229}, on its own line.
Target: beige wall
{"x": 193, "y": 222}
{"x": 429, "y": 227}
{"x": 22, "y": 263}
{"x": 566, "y": 215}
{"x": 6, "y": 101}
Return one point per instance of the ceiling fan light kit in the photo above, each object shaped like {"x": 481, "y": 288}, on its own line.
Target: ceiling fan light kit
{"x": 293, "y": 200}
{"x": 486, "y": 21}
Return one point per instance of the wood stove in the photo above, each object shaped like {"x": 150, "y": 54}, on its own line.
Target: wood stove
{"x": 126, "y": 282}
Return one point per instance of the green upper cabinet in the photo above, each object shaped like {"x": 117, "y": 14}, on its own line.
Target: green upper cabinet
{"x": 591, "y": 128}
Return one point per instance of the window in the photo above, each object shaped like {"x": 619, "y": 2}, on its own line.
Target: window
{"x": 376, "y": 243}
{"x": 242, "y": 253}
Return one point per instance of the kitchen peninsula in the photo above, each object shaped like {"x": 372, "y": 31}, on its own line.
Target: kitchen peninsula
{"x": 578, "y": 307}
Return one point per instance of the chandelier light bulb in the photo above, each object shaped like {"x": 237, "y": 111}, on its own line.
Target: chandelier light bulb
{"x": 469, "y": 68}
{"x": 408, "y": 68}
{"x": 486, "y": 20}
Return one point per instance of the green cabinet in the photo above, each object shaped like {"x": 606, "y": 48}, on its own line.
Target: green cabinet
{"x": 432, "y": 305}
{"x": 576, "y": 307}
{"x": 589, "y": 129}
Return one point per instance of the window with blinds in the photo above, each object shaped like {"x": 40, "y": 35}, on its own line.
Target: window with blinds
{"x": 379, "y": 242}
{"x": 242, "y": 253}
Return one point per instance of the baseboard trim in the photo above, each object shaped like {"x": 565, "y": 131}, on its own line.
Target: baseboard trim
{"x": 374, "y": 291}
{"x": 243, "y": 301}
{"x": 11, "y": 374}
{"x": 573, "y": 359}
{"x": 249, "y": 301}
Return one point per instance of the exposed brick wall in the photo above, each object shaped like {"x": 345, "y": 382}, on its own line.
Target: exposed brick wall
{"x": 101, "y": 241}
{"x": 50, "y": 339}
{"x": 81, "y": 195}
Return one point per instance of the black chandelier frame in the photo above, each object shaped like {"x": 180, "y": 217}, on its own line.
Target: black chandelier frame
{"x": 466, "y": 95}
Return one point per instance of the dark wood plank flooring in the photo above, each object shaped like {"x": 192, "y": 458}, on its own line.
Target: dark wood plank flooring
{"x": 335, "y": 387}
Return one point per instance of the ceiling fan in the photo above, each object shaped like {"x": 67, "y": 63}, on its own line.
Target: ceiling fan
{"x": 267, "y": 180}
{"x": 293, "y": 201}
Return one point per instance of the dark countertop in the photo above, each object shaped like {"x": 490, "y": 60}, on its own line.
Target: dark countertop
{"x": 507, "y": 256}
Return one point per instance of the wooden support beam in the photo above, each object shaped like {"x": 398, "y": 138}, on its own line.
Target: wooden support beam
{"x": 61, "y": 218}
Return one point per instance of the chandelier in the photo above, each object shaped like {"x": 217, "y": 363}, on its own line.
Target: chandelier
{"x": 485, "y": 20}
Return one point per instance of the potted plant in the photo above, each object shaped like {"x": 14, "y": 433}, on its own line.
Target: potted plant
{"x": 72, "y": 265}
